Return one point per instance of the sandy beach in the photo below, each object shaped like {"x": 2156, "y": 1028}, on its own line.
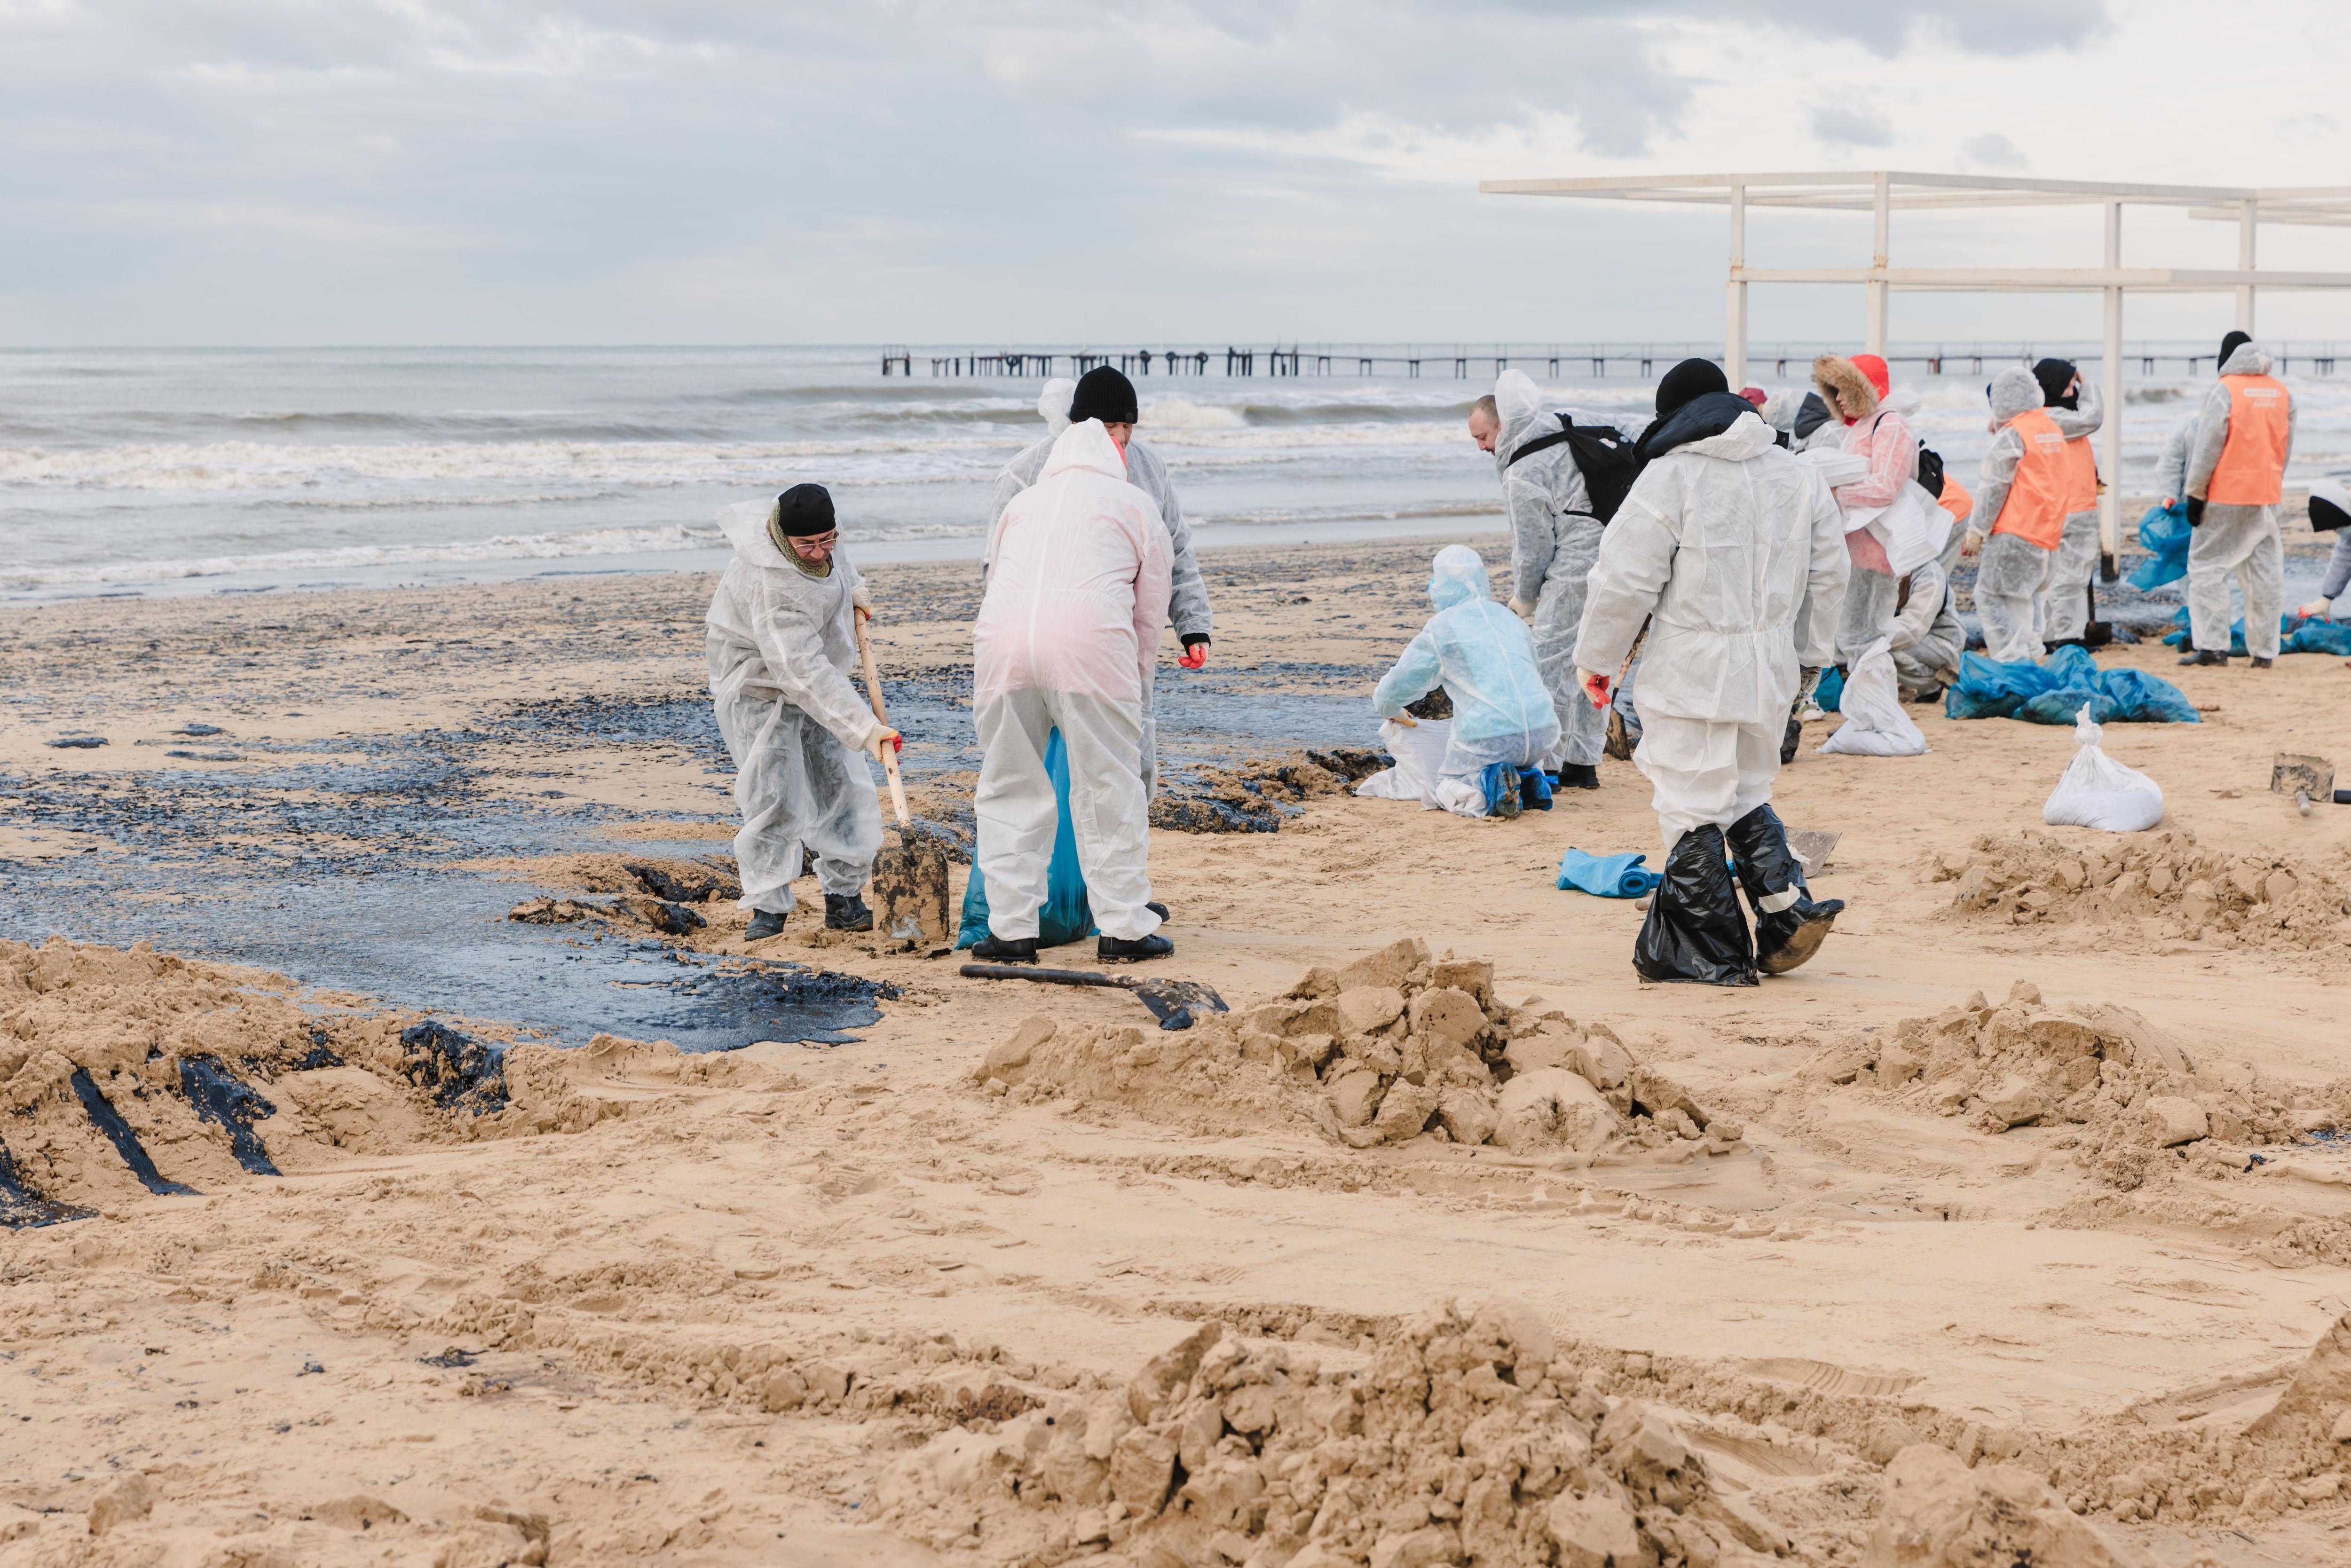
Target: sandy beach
{"x": 2036, "y": 1163}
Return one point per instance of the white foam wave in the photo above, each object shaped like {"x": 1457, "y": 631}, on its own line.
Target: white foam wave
{"x": 505, "y": 547}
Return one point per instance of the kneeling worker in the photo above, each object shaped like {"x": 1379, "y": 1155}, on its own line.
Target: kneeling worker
{"x": 1067, "y": 636}
{"x": 1481, "y": 654}
{"x": 1736, "y": 552}
{"x": 781, "y": 644}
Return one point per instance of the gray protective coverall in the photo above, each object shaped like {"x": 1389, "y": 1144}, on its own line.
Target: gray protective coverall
{"x": 2013, "y": 569}
{"x": 1554, "y": 539}
{"x": 2067, "y": 600}
{"x": 1187, "y": 607}
{"x": 780, "y": 646}
{"x": 1924, "y": 635}
{"x": 2241, "y": 540}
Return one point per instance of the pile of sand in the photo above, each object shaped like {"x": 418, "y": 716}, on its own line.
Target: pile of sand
{"x": 2259, "y": 900}
{"x": 1463, "y": 1439}
{"x": 2137, "y": 1098}
{"x": 1392, "y": 1047}
{"x": 126, "y": 1072}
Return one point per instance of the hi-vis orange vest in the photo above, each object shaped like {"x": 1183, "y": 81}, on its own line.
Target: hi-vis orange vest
{"x": 2252, "y": 470}
{"x": 1955, "y": 499}
{"x": 2081, "y": 476}
{"x": 2041, "y": 495}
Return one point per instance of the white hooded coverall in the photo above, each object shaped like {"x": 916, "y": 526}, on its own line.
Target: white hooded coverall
{"x": 1738, "y": 551}
{"x": 782, "y": 645}
{"x": 2013, "y": 572}
{"x": 1067, "y": 636}
{"x": 1554, "y": 539}
{"x": 1188, "y": 610}
{"x": 2065, "y": 613}
{"x": 2240, "y": 539}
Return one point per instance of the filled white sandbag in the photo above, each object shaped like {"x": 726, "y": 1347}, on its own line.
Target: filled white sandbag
{"x": 2098, "y": 791}
{"x": 1419, "y": 753}
{"x": 1875, "y": 723}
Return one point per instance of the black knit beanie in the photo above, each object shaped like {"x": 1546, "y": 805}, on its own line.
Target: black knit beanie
{"x": 1105, "y": 394}
{"x": 2232, "y": 343}
{"x": 804, "y": 510}
{"x": 1691, "y": 378}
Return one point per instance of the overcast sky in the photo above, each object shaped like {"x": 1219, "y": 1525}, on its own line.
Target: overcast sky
{"x": 709, "y": 171}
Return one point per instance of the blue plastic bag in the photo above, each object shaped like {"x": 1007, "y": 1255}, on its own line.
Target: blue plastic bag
{"x": 1067, "y": 915}
{"x": 2315, "y": 636}
{"x": 1534, "y": 789}
{"x": 2055, "y": 690}
{"x": 1607, "y": 876}
{"x": 2142, "y": 698}
{"x": 1831, "y": 690}
{"x": 2236, "y": 634}
{"x": 1988, "y": 688}
{"x": 2163, "y": 534}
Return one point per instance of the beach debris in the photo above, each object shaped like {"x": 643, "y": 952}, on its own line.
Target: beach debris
{"x": 459, "y": 1071}
{"x": 683, "y": 881}
{"x": 2309, "y": 780}
{"x": 77, "y": 742}
{"x": 192, "y": 727}
{"x": 630, "y": 909}
{"x": 232, "y": 1104}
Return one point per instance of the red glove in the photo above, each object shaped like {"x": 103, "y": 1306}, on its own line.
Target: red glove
{"x": 1595, "y": 686}
{"x": 1195, "y": 656}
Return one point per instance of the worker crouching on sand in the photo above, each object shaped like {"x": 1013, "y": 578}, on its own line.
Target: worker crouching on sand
{"x": 1078, "y": 566}
{"x": 2236, "y": 477}
{"x": 1736, "y": 553}
{"x": 1503, "y": 721}
{"x": 781, "y": 643}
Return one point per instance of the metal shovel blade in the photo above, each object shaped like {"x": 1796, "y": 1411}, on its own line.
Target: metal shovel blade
{"x": 1172, "y": 1002}
{"x": 911, "y": 889}
{"x": 1811, "y": 847}
{"x": 2307, "y": 779}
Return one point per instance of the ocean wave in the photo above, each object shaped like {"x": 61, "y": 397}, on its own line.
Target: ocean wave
{"x": 505, "y": 547}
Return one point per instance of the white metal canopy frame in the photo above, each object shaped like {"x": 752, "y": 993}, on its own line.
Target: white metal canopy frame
{"x": 1883, "y": 193}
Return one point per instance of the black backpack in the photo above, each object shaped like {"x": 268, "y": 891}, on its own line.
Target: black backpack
{"x": 1608, "y": 461}
{"x": 1930, "y": 472}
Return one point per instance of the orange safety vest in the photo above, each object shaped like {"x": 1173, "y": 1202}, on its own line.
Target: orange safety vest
{"x": 2252, "y": 470}
{"x": 1955, "y": 499}
{"x": 2081, "y": 476}
{"x": 2041, "y": 495}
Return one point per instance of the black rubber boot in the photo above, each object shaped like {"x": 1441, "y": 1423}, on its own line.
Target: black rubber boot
{"x": 2261, "y": 663}
{"x": 1157, "y": 908}
{"x": 994, "y": 949}
{"x": 1120, "y": 950}
{"x": 1793, "y": 738}
{"x": 846, "y": 912}
{"x": 1579, "y": 776}
{"x": 1789, "y": 926}
{"x": 764, "y": 924}
{"x": 1695, "y": 931}
{"x": 2202, "y": 657}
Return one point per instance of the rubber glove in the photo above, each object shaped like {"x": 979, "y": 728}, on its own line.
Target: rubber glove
{"x": 1595, "y": 686}
{"x": 864, "y": 605}
{"x": 2195, "y": 511}
{"x": 886, "y": 736}
{"x": 2317, "y": 610}
{"x": 1974, "y": 543}
{"x": 1195, "y": 654}
{"x": 1523, "y": 610}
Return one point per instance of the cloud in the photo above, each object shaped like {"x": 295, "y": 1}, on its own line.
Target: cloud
{"x": 1849, "y": 125}
{"x": 1992, "y": 151}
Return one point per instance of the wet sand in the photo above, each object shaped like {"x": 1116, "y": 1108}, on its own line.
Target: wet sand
{"x": 745, "y": 1307}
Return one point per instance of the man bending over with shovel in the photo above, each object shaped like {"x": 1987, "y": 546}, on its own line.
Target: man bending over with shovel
{"x": 782, "y": 640}
{"x": 1066, "y": 638}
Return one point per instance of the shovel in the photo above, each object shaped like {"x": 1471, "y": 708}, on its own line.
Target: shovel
{"x": 910, "y": 882}
{"x": 1172, "y": 1002}
{"x": 2309, "y": 780}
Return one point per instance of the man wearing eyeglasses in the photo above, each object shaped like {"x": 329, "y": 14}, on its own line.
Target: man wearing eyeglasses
{"x": 782, "y": 640}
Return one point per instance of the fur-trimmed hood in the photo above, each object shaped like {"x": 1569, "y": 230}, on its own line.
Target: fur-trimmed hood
{"x": 1834, "y": 373}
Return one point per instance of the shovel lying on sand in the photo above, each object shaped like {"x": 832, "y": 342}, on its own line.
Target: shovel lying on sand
{"x": 1173, "y": 1002}
{"x": 910, "y": 882}
{"x": 2309, "y": 780}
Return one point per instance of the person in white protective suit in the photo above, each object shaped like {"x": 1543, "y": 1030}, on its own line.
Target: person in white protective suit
{"x": 2022, "y": 495}
{"x": 1554, "y": 539}
{"x": 2236, "y": 478}
{"x": 1067, "y": 636}
{"x": 781, "y": 643}
{"x": 1481, "y": 654}
{"x": 1736, "y": 553}
{"x": 1877, "y": 430}
{"x": 1106, "y": 394}
{"x": 1924, "y": 634}
{"x": 2073, "y": 405}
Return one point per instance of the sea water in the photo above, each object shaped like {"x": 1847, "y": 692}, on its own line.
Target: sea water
{"x": 148, "y": 471}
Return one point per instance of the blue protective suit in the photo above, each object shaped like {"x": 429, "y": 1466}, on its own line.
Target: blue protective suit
{"x": 1484, "y": 658}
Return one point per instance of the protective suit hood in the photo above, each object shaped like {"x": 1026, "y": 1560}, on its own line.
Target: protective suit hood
{"x": 2246, "y": 360}
{"x": 1085, "y": 445}
{"x": 745, "y": 523}
{"x": 2014, "y": 391}
{"x": 1053, "y": 405}
{"x": 1458, "y": 576}
{"x": 1518, "y": 404}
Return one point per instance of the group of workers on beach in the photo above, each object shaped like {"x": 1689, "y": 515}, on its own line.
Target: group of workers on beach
{"x": 1696, "y": 580}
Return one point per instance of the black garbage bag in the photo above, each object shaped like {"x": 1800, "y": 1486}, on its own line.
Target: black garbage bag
{"x": 1788, "y": 925}
{"x": 1696, "y": 930}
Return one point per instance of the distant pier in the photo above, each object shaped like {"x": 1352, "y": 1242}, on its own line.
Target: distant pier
{"x": 1459, "y": 361}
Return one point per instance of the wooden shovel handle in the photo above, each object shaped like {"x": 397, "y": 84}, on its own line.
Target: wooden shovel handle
{"x": 881, "y": 749}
